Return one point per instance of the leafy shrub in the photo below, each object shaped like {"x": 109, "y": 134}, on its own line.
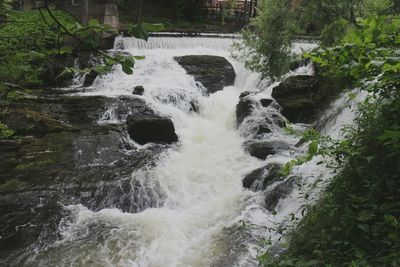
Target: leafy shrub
{"x": 357, "y": 220}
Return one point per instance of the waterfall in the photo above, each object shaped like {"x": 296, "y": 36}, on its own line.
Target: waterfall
{"x": 200, "y": 201}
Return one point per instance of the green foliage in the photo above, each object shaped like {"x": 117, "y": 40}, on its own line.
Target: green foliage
{"x": 27, "y": 43}
{"x": 5, "y": 132}
{"x": 35, "y": 44}
{"x": 315, "y": 15}
{"x": 266, "y": 45}
{"x": 313, "y": 150}
{"x": 380, "y": 7}
{"x": 369, "y": 58}
{"x": 334, "y": 32}
{"x": 5, "y": 7}
{"x": 357, "y": 220}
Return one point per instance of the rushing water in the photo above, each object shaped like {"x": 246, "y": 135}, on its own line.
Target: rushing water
{"x": 202, "y": 216}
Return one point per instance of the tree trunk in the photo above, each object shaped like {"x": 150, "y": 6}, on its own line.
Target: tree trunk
{"x": 85, "y": 12}
{"x": 139, "y": 17}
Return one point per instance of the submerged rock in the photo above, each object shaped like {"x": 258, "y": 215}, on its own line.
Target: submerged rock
{"x": 213, "y": 72}
{"x": 278, "y": 192}
{"x": 151, "y": 129}
{"x": 248, "y": 103}
{"x": 138, "y": 90}
{"x": 261, "y": 149}
{"x": 302, "y": 97}
{"x": 261, "y": 178}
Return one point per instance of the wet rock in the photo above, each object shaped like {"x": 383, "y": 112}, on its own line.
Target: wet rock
{"x": 278, "y": 192}
{"x": 302, "y": 97}
{"x": 72, "y": 160}
{"x": 51, "y": 72}
{"x": 30, "y": 122}
{"x": 213, "y": 72}
{"x": 244, "y": 94}
{"x": 89, "y": 78}
{"x": 263, "y": 128}
{"x": 138, "y": 90}
{"x": 261, "y": 149}
{"x": 24, "y": 217}
{"x": 181, "y": 100}
{"x": 261, "y": 178}
{"x": 299, "y": 63}
{"x": 125, "y": 105}
{"x": 151, "y": 129}
{"x": 279, "y": 120}
{"x": 85, "y": 111}
{"x": 250, "y": 178}
{"x": 244, "y": 109}
{"x": 78, "y": 110}
{"x": 265, "y": 102}
{"x": 194, "y": 106}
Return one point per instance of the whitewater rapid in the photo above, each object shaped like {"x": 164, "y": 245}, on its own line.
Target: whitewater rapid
{"x": 202, "y": 202}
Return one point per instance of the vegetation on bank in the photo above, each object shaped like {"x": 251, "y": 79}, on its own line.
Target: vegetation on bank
{"x": 39, "y": 49}
{"x": 356, "y": 222}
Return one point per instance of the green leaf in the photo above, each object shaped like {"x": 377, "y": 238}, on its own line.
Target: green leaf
{"x": 94, "y": 23}
{"x": 363, "y": 227}
{"x": 65, "y": 72}
{"x": 65, "y": 50}
{"x": 127, "y": 65}
{"x": 388, "y": 134}
{"x": 139, "y": 57}
{"x": 313, "y": 148}
{"x": 365, "y": 216}
{"x": 352, "y": 96}
{"x": 397, "y": 41}
{"x": 127, "y": 70}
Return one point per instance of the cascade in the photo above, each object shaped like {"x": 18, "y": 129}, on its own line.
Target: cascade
{"x": 194, "y": 203}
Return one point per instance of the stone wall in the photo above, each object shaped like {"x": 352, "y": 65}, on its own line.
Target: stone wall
{"x": 104, "y": 13}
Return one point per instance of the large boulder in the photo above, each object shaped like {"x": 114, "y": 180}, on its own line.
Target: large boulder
{"x": 151, "y": 129}
{"x": 213, "y": 72}
{"x": 302, "y": 97}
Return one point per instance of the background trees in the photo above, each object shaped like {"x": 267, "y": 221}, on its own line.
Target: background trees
{"x": 269, "y": 36}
